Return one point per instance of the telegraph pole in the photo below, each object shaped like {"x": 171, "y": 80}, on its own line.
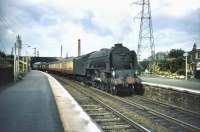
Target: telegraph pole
{"x": 34, "y": 52}
{"x": 38, "y": 53}
{"x": 17, "y": 53}
{"x": 18, "y": 47}
{"x": 146, "y": 39}
{"x": 12, "y": 51}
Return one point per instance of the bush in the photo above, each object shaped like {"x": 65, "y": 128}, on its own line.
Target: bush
{"x": 181, "y": 72}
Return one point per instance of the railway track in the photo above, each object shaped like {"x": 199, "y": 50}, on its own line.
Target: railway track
{"x": 150, "y": 118}
{"x": 185, "y": 117}
{"x": 106, "y": 117}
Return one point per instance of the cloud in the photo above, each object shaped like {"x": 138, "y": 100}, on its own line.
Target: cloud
{"x": 172, "y": 39}
{"x": 46, "y": 24}
{"x": 175, "y": 8}
{"x": 188, "y": 23}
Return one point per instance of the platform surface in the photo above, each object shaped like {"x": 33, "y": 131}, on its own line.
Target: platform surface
{"x": 73, "y": 117}
{"x": 187, "y": 84}
{"x": 29, "y": 106}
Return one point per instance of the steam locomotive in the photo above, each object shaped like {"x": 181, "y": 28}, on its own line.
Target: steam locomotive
{"x": 112, "y": 70}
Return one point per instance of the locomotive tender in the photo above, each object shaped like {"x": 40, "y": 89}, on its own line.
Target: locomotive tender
{"x": 112, "y": 70}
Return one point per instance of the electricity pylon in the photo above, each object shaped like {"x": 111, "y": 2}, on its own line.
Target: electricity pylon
{"x": 146, "y": 39}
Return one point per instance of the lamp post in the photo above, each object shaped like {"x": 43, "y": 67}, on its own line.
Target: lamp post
{"x": 27, "y": 56}
{"x": 186, "y": 69}
{"x": 15, "y": 71}
{"x": 16, "y": 59}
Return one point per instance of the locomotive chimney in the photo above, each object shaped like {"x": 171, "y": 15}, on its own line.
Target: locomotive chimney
{"x": 79, "y": 47}
{"x": 118, "y": 45}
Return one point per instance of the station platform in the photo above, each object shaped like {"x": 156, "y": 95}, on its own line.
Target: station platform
{"x": 30, "y": 106}
{"x": 184, "y": 94}
{"x": 190, "y": 85}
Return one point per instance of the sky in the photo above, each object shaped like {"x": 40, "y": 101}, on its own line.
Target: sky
{"x": 46, "y": 24}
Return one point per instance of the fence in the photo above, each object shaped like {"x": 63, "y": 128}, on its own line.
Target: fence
{"x": 6, "y": 71}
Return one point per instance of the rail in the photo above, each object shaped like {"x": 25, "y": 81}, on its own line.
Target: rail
{"x": 119, "y": 118}
{"x": 169, "y": 123}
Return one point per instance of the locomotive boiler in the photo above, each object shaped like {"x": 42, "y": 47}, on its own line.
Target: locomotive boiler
{"x": 112, "y": 70}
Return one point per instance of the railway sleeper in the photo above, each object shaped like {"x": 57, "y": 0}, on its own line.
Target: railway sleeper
{"x": 103, "y": 117}
{"x": 173, "y": 127}
{"x": 89, "y": 105}
{"x": 112, "y": 123}
{"x": 107, "y": 120}
{"x": 100, "y": 114}
{"x": 157, "y": 120}
{"x": 116, "y": 127}
{"x": 93, "y": 109}
{"x": 146, "y": 114}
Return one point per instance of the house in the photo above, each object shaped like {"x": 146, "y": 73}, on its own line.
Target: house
{"x": 194, "y": 61}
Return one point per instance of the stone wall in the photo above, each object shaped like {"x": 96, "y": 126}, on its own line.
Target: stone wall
{"x": 183, "y": 99}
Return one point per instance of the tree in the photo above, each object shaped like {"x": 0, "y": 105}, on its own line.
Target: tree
{"x": 175, "y": 53}
{"x": 176, "y": 60}
{"x": 173, "y": 62}
{"x": 2, "y": 54}
{"x": 163, "y": 65}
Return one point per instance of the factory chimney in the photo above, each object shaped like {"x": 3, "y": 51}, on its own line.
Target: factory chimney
{"x": 61, "y": 51}
{"x": 79, "y": 47}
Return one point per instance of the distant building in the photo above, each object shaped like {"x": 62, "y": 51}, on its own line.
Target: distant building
{"x": 161, "y": 55}
{"x": 158, "y": 56}
{"x": 194, "y": 61}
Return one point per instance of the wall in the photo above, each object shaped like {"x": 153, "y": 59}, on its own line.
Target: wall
{"x": 6, "y": 75}
{"x": 183, "y": 99}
